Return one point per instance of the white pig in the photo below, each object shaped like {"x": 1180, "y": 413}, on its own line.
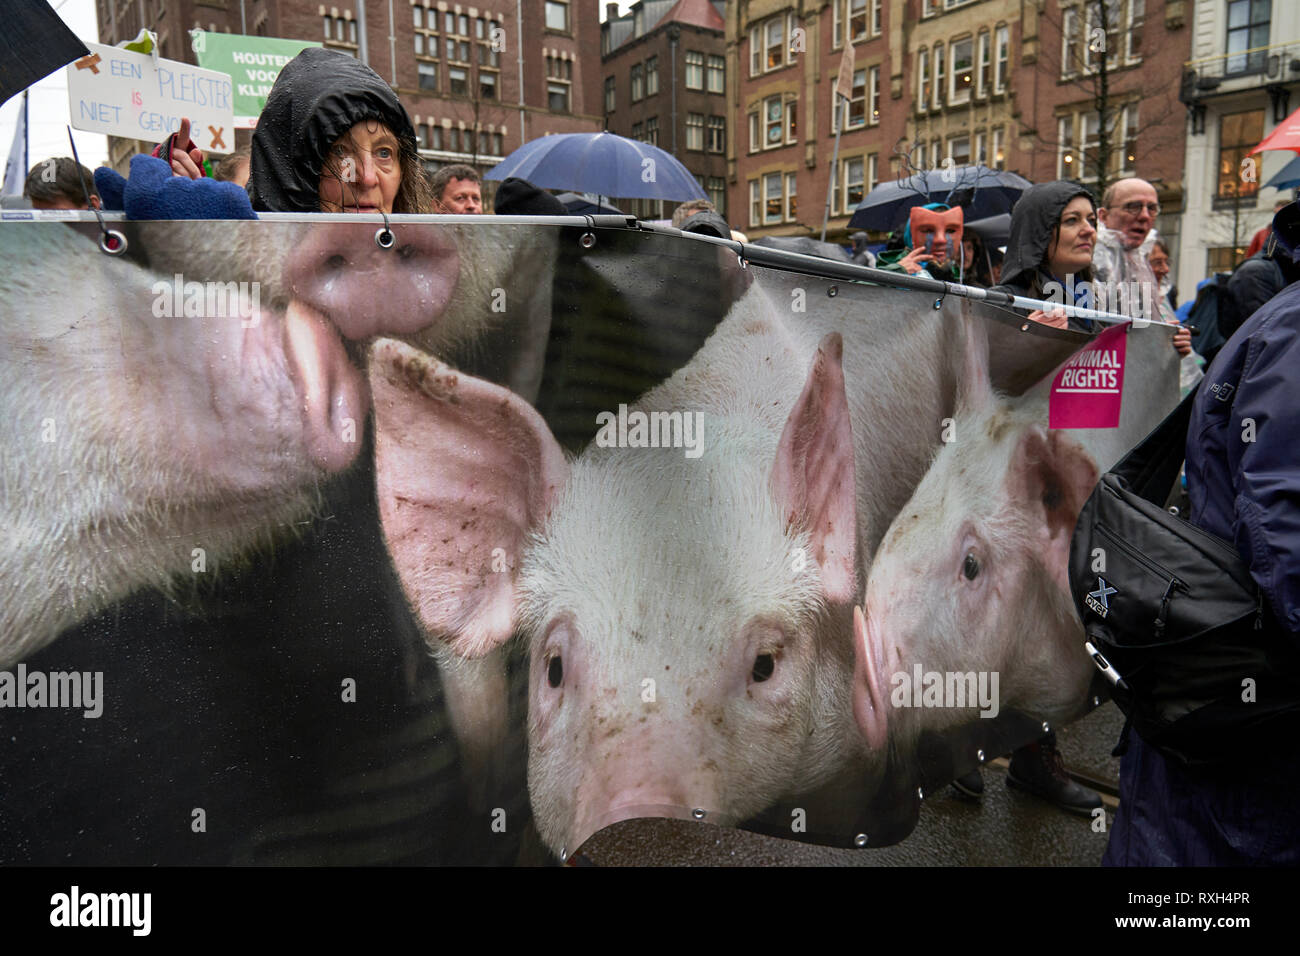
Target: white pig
{"x": 972, "y": 576}
{"x": 131, "y": 437}
{"x": 688, "y": 609}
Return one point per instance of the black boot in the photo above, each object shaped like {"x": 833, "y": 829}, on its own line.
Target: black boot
{"x": 1038, "y": 769}
{"x": 971, "y": 784}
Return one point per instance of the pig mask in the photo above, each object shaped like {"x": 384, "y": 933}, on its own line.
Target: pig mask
{"x": 679, "y": 684}
{"x": 938, "y": 231}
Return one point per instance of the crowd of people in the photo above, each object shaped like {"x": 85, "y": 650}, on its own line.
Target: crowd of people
{"x": 335, "y": 138}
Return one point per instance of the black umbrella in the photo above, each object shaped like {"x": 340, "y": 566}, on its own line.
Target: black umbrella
{"x": 33, "y": 44}
{"x": 994, "y": 230}
{"x": 994, "y": 191}
{"x": 806, "y": 246}
{"x": 581, "y": 205}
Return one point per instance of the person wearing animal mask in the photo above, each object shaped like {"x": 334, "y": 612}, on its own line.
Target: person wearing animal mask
{"x": 931, "y": 243}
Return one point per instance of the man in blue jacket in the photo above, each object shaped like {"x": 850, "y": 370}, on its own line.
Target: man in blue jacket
{"x": 1243, "y": 478}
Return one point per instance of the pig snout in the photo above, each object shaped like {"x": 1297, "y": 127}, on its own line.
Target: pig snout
{"x": 341, "y": 272}
{"x": 343, "y": 283}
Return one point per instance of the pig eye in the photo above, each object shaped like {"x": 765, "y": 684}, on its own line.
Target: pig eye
{"x": 971, "y": 566}
{"x": 764, "y": 665}
{"x": 555, "y": 671}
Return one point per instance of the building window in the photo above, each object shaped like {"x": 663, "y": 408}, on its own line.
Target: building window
{"x": 873, "y": 96}
{"x": 922, "y": 80}
{"x": 755, "y": 53}
{"x": 557, "y": 97}
{"x": 1248, "y": 23}
{"x": 877, "y": 15}
{"x": 557, "y": 68}
{"x": 858, "y": 101}
{"x": 792, "y": 121}
{"x": 848, "y": 186}
{"x": 938, "y": 76}
{"x": 557, "y": 15}
{"x": 1137, "y": 17}
{"x": 638, "y": 82}
{"x": 755, "y": 204}
{"x": 716, "y": 187}
{"x": 999, "y": 158}
{"x": 694, "y": 70}
{"x": 928, "y": 8}
{"x": 490, "y": 57}
{"x": 981, "y": 148}
{"x": 984, "y": 70}
{"x": 695, "y": 131}
{"x": 949, "y": 4}
{"x": 458, "y": 80}
{"x": 652, "y": 131}
{"x": 1128, "y": 158}
{"x": 419, "y": 42}
{"x": 773, "y": 199}
{"x": 421, "y": 140}
{"x": 1066, "y": 167}
{"x": 609, "y": 94}
{"x": 487, "y": 85}
{"x": 774, "y": 32}
{"x": 453, "y": 140}
{"x": 857, "y": 19}
{"x": 435, "y": 137}
{"x": 1071, "y": 44}
{"x": 959, "y": 151}
{"x": 791, "y": 197}
{"x": 717, "y": 74}
{"x": 962, "y": 69}
{"x": 652, "y": 76}
{"x": 638, "y": 132}
{"x": 1000, "y": 71}
{"x": 774, "y": 122}
{"x": 428, "y": 76}
{"x": 755, "y": 139}
{"x": 717, "y": 134}
{"x": 873, "y": 180}
{"x": 1239, "y": 133}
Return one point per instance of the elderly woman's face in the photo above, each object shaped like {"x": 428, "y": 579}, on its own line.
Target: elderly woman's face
{"x": 362, "y": 172}
{"x": 1071, "y": 250}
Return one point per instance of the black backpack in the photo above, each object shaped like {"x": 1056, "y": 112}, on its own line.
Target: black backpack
{"x": 1173, "y": 617}
{"x": 1212, "y": 301}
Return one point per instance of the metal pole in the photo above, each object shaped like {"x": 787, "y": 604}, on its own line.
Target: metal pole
{"x": 362, "y": 50}
{"x": 835, "y": 158}
{"x": 519, "y": 56}
{"x": 673, "y": 34}
{"x": 243, "y": 23}
{"x": 392, "y": 43}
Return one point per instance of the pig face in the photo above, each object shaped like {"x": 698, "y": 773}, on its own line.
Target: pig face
{"x": 650, "y": 688}
{"x": 972, "y": 577}
{"x": 194, "y": 394}
{"x": 687, "y": 617}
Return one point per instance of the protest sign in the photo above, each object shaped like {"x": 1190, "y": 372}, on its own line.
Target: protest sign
{"x": 120, "y": 93}
{"x": 252, "y": 63}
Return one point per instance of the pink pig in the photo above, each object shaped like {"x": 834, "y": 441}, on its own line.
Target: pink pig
{"x": 688, "y": 616}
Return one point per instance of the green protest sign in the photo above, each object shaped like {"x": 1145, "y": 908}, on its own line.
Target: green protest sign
{"x": 253, "y": 63}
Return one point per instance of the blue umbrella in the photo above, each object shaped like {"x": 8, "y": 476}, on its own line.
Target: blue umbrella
{"x": 603, "y": 164}
{"x": 995, "y": 191}
{"x": 1288, "y": 177}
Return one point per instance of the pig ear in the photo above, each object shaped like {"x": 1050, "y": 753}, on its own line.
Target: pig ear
{"x": 1050, "y": 478}
{"x": 464, "y": 470}
{"x": 813, "y": 477}
{"x": 868, "y": 694}
{"x": 976, "y": 390}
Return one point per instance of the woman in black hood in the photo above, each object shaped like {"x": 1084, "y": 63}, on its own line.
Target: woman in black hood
{"x": 1053, "y": 233}
{"x": 334, "y": 138}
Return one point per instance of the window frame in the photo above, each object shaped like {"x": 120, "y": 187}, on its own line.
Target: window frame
{"x": 694, "y": 66}
{"x": 960, "y": 97}
{"x": 697, "y": 129}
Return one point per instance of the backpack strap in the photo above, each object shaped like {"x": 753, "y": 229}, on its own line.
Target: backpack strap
{"x": 1151, "y": 468}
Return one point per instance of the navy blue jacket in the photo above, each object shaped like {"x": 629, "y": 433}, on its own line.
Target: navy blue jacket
{"x": 1247, "y": 492}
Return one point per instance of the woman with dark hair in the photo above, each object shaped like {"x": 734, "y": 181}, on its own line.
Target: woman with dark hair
{"x": 975, "y": 261}
{"x": 1053, "y": 233}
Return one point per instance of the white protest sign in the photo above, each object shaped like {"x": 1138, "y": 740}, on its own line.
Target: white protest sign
{"x": 121, "y": 93}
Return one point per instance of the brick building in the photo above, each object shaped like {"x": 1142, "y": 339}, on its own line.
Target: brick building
{"x": 1001, "y": 82}
{"x": 477, "y": 81}
{"x": 1239, "y": 80}
{"x": 664, "y": 82}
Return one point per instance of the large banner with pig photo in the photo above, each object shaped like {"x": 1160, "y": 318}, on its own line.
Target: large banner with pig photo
{"x": 448, "y": 543}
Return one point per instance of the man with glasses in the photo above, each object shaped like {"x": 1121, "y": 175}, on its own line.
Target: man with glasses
{"x": 1125, "y": 237}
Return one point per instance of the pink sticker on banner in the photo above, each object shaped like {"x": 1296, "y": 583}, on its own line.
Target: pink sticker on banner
{"x": 1087, "y": 391}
